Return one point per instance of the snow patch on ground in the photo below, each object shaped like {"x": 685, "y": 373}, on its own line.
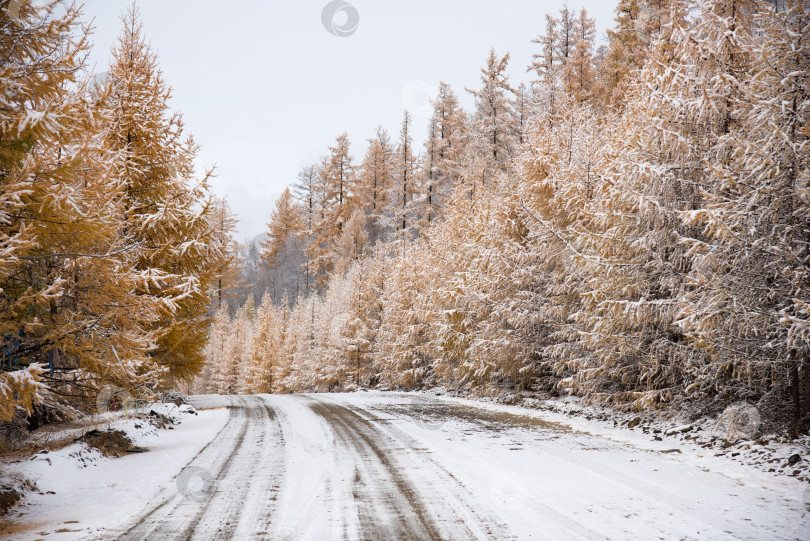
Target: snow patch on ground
{"x": 580, "y": 472}
{"x": 335, "y": 466}
{"x": 79, "y": 486}
{"x": 768, "y": 453}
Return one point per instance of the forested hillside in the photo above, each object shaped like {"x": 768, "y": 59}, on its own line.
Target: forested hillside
{"x": 110, "y": 245}
{"x": 629, "y": 224}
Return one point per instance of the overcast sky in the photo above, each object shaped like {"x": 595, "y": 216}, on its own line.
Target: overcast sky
{"x": 265, "y": 86}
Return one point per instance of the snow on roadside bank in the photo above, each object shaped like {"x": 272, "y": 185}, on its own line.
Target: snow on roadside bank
{"x": 558, "y": 470}
{"x": 765, "y": 462}
{"x": 700, "y": 439}
{"x": 769, "y": 452}
{"x": 703, "y": 437}
{"x": 477, "y": 465}
{"x": 69, "y": 500}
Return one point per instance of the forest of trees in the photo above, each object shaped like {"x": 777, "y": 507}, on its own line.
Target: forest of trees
{"x": 111, "y": 247}
{"x": 630, "y": 225}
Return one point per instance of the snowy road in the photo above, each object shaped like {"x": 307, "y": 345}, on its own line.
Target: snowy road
{"x": 383, "y": 466}
{"x": 399, "y": 466}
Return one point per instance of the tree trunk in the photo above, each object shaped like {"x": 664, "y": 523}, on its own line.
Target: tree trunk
{"x": 794, "y": 385}
{"x": 806, "y": 378}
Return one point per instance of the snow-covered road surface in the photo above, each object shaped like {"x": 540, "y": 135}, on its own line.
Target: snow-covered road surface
{"x": 406, "y": 466}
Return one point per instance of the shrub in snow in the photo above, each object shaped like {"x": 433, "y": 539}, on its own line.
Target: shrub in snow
{"x": 173, "y": 397}
{"x": 185, "y": 408}
{"x": 15, "y": 431}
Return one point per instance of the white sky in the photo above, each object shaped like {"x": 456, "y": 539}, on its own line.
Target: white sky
{"x": 265, "y": 88}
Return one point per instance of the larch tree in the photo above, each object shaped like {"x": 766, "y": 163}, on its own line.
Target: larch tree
{"x": 546, "y": 63}
{"x": 337, "y": 206}
{"x": 329, "y": 355}
{"x": 747, "y": 304}
{"x": 307, "y": 192}
{"x": 429, "y": 170}
{"x": 638, "y": 25}
{"x": 493, "y": 135}
{"x": 65, "y": 287}
{"x": 503, "y": 318}
{"x": 445, "y": 315}
{"x": 556, "y": 179}
{"x": 402, "y": 357}
{"x": 579, "y": 70}
{"x": 564, "y": 45}
{"x": 295, "y": 370}
{"x": 374, "y": 179}
{"x": 365, "y": 321}
{"x": 626, "y": 53}
{"x": 260, "y": 365}
{"x": 639, "y": 255}
{"x": 403, "y": 186}
{"x": 521, "y": 113}
{"x": 284, "y": 251}
{"x": 223, "y": 370}
{"x": 166, "y": 210}
{"x": 444, "y": 151}
{"x": 286, "y": 219}
{"x": 34, "y": 96}
{"x": 352, "y": 244}
{"x": 631, "y": 228}
{"x": 239, "y": 347}
{"x": 228, "y": 276}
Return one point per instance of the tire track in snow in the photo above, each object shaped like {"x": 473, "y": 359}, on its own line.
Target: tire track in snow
{"x": 265, "y": 481}
{"x": 229, "y": 455}
{"x": 313, "y": 503}
{"x": 469, "y": 512}
{"x": 245, "y": 493}
{"x": 168, "y": 499}
{"x": 177, "y": 514}
{"x": 569, "y": 456}
{"x": 389, "y": 506}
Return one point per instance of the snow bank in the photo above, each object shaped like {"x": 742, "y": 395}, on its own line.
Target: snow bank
{"x": 80, "y": 486}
